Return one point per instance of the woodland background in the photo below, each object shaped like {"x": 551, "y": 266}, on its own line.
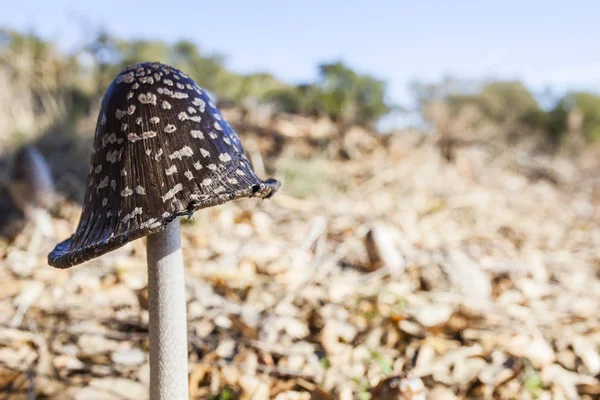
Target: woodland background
{"x": 458, "y": 257}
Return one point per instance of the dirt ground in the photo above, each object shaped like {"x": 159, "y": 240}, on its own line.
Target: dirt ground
{"x": 392, "y": 275}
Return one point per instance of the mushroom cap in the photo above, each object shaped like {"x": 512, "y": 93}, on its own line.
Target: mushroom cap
{"x": 161, "y": 150}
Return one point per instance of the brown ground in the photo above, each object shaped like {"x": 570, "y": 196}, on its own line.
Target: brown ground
{"x": 490, "y": 285}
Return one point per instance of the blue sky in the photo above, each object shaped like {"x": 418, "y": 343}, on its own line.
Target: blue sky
{"x": 545, "y": 43}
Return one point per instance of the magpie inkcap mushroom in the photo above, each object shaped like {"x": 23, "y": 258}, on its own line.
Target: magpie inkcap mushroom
{"x": 161, "y": 150}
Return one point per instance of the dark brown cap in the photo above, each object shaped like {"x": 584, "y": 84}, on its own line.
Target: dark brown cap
{"x": 161, "y": 150}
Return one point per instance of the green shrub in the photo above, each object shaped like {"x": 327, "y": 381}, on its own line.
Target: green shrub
{"x": 586, "y": 103}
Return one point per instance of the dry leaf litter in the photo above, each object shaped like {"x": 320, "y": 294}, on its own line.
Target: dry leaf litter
{"x": 392, "y": 275}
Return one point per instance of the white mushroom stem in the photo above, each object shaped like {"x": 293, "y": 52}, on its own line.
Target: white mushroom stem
{"x": 167, "y": 308}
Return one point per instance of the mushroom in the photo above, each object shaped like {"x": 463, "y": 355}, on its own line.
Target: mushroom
{"x": 162, "y": 150}
{"x": 31, "y": 185}
{"x": 32, "y": 190}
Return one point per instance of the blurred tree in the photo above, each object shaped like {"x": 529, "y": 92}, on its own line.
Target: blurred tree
{"x": 207, "y": 71}
{"x": 303, "y": 99}
{"x": 238, "y": 89}
{"x": 131, "y": 52}
{"x": 340, "y": 93}
{"x": 16, "y": 43}
{"x": 509, "y": 102}
{"x": 35, "y": 78}
{"x": 449, "y": 87}
{"x": 105, "y": 53}
{"x": 506, "y": 105}
{"x": 464, "y": 111}
{"x": 574, "y": 122}
{"x": 588, "y": 104}
{"x": 350, "y": 98}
